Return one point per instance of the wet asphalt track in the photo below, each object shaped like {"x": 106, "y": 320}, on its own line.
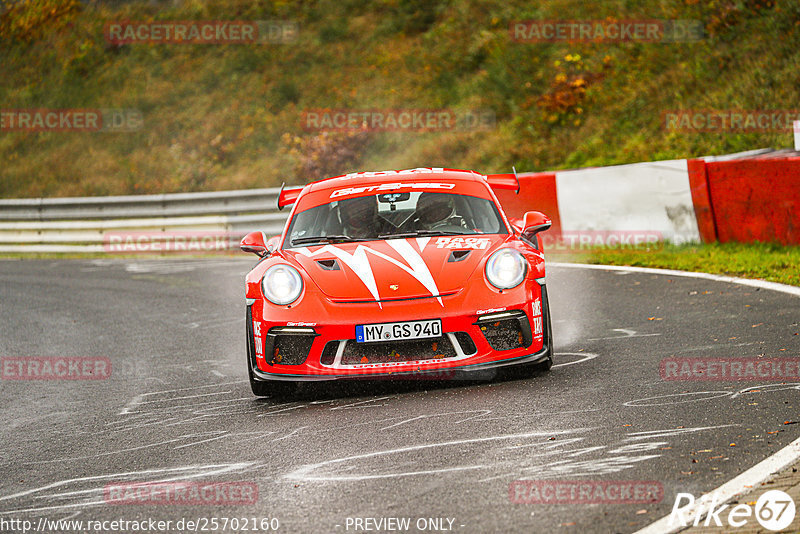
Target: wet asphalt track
{"x": 177, "y": 405}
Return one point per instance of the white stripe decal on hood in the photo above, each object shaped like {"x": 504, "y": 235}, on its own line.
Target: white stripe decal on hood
{"x": 359, "y": 263}
{"x": 419, "y": 269}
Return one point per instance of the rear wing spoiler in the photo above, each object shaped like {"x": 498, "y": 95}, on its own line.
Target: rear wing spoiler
{"x": 288, "y": 195}
{"x": 504, "y": 181}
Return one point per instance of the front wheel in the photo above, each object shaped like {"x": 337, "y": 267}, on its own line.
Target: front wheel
{"x": 546, "y": 365}
{"x": 263, "y": 388}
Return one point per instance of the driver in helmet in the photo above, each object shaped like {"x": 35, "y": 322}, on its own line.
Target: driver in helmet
{"x": 435, "y": 210}
{"x": 359, "y": 216}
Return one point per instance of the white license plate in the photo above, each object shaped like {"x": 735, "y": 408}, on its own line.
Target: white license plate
{"x": 367, "y": 333}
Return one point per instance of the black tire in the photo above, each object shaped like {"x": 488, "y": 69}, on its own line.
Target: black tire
{"x": 546, "y": 365}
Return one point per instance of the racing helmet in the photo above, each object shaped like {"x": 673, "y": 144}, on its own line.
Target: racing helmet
{"x": 359, "y": 215}
{"x": 435, "y": 208}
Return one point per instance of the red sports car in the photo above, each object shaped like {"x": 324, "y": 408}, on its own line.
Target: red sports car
{"x": 412, "y": 273}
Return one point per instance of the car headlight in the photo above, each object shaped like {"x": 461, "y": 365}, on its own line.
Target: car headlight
{"x": 282, "y": 284}
{"x": 506, "y": 268}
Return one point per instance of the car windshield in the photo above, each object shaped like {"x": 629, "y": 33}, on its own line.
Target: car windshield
{"x": 394, "y": 215}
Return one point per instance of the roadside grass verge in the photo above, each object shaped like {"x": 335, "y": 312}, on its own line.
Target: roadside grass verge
{"x": 766, "y": 261}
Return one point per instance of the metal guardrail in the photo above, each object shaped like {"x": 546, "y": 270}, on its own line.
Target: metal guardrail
{"x": 86, "y": 224}
{"x": 168, "y": 205}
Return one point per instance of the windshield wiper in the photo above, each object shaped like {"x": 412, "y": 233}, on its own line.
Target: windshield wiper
{"x": 419, "y": 233}
{"x": 325, "y": 239}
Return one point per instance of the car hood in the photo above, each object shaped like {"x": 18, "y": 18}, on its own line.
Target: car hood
{"x": 396, "y": 268}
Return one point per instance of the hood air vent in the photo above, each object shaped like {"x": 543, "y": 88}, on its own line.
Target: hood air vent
{"x": 458, "y": 255}
{"x": 329, "y": 265}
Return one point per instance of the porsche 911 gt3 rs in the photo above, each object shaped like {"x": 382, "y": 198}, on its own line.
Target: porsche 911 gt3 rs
{"x": 412, "y": 273}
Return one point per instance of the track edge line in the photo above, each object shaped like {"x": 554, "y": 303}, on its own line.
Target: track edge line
{"x": 760, "y": 473}
{"x": 753, "y": 282}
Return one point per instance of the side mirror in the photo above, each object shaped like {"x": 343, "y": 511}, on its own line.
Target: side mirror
{"x": 256, "y": 242}
{"x": 533, "y": 223}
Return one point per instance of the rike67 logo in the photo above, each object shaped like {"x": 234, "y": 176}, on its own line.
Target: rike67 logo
{"x": 774, "y": 510}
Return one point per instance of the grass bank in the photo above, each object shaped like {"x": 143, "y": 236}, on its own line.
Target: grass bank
{"x": 229, "y": 116}
{"x": 766, "y": 261}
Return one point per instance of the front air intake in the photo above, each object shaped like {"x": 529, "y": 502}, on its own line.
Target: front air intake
{"x": 328, "y": 355}
{"x": 506, "y": 330}
{"x": 288, "y": 345}
{"x": 467, "y": 345}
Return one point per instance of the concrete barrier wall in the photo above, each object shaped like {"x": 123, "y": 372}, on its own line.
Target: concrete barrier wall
{"x": 755, "y": 199}
{"x": 651, "y": 197}
{"x": 747, "y": 197}
{"x": 703, "y": 210}
{"x": 655, "y": 199}
{"x": 754, "y": 196}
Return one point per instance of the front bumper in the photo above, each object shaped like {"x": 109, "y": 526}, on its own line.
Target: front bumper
{"x": 285, "y": 350}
